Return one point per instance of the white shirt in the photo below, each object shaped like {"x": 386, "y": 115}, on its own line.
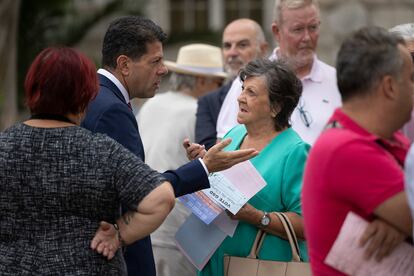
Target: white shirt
{"x": 164, "y": 121}
{"x": 409, "y": 178}
{"x": 118, "y": 84}
{"x": 125, "y": 94}
{"x": 320, "y": 97}
{"x": 227, "y": 117}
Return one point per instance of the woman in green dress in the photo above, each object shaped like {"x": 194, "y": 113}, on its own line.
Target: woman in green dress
{"x": 270, "y": 93}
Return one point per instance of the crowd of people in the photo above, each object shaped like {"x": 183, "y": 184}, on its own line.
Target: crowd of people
{"x": 84, "y": 182}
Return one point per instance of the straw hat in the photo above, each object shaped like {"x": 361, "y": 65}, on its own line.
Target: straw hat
{"x": 198, "y": 59}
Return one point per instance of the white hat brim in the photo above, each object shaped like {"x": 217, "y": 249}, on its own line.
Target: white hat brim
{"x": 193, "y": 70}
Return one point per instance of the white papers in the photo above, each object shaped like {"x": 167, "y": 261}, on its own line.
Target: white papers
{"x": 347, "y": 256}
{"x": 198, "y": 241}
{"x": 226, "y": 224}
{"x": 229, "y": 189}
{"x": 201, "y": 205}
{"x": 225, "y": 193}
{"x": 203, "y": 232}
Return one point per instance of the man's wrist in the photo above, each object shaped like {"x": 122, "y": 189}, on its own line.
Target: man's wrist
{"x": 204, "y": 166}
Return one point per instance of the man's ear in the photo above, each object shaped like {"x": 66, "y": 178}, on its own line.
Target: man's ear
{"x": 276, "y": 31}
{"x": 122, "y": 64}
{"x": 389, "y": 86}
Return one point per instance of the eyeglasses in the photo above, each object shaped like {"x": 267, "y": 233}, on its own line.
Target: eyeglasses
{"x": 304, "y": 115}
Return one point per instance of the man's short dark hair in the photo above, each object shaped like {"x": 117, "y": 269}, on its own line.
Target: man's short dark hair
{"x": 364, "y": 58}
{"x": 129, "y": 36}
{"x": 283, "y": 87}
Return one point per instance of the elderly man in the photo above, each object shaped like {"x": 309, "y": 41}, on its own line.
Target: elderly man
{"x": 132, "y": 60}
{"x": 296, "y": 30}
{"x": 407, "y": 32}
{"x": 243, "y": 41}
{"x": 356, "y": 164}
{"x": 198, "y": 70}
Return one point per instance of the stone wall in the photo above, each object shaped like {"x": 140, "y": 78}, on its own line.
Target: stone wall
{"x": 340, "y": 17}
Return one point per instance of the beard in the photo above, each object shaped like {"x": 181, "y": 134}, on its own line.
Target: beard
{"x": 232, "y": 65}
{"x": 298, "y": 61}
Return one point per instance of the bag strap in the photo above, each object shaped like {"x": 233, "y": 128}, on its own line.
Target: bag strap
{"x": 293, "y": 240}
{"x": 255, "y": 249}
{"x": 290, "y": 233}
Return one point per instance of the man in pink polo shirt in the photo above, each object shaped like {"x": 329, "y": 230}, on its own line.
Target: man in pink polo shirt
{"x": 357, "y": 162}
{"x": 295, "y": 28}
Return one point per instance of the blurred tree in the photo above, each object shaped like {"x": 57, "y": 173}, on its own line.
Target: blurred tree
{"x": 41, "y": 24}
{"x": 9, "y": 12}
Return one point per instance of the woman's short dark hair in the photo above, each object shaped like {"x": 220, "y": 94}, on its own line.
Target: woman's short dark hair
{"x": 284, "y": 88}
{"x": 129, "y": 36}
{"x": 60, "y": 81}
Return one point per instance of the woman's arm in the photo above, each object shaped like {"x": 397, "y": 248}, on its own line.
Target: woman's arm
{"x": 151, "y": 212}
{"x": 134, "y": 225}
{"x": 253, "y": 216}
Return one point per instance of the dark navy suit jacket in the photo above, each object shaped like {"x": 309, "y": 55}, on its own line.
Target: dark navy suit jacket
{"x": 109, "y": 113}
{"x": 207, "y": 114}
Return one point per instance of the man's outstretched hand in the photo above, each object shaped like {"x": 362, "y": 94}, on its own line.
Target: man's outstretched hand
{"x": 215, "y": 158}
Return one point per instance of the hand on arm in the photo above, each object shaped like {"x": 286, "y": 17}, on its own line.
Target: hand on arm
{"x": 394, "y": 223}
{"x": 382, "y": 239}
{"x": 134, "y": 225}
{"x": 396, "y": 212}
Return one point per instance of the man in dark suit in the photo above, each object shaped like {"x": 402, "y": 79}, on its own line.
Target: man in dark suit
{"x": 132, "y": 60}
{"x": 243, "y": 41}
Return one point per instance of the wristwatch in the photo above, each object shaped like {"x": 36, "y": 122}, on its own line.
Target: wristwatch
{"x": 265, "y": 221}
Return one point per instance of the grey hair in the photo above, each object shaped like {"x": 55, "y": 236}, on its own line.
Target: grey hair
{"x": 280, "y": 5}
{"x": 259, "y": 33}
{"x": 283, "y": 87}
{"x": 364, "y": 58}
{"x": 404, "y": 30}
{"x": 179, "y": 81}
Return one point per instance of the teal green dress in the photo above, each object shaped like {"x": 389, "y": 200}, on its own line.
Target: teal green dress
{"x": 281, "y": 164}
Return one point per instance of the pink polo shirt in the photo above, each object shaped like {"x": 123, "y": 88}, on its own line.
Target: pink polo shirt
{"x": 348, "y": 169}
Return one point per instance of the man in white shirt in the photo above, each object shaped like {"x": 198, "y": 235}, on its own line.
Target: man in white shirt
{"x": 243, "y": 41}
{"x": 296, "y": 29}
{"x": 164, "y": 122}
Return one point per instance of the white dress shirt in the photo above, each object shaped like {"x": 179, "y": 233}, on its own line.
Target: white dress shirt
{"x": 118, "y": 84}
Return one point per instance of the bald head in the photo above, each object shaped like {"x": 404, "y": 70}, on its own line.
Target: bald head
{"x": 243, "y": 41}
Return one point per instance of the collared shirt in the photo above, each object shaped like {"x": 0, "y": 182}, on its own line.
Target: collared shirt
{"x": 118, "y": 84}
{"x": 227, "y": 118}
{"x": 348, "y": 169}
{"x": 124, "y": 92}
{"x": 320, "y": 97}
